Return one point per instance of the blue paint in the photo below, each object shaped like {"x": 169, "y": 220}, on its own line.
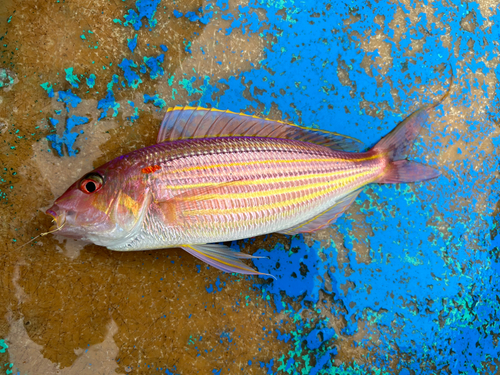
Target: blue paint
{"x": 201, "y": 16}
{"x": 169, "y": 372}
{"x": 108, "y": 103}
{"x": 222, "y": 4}
{"x": 135, "y": 116}
{"x": 177, "y": 14}
{"x": 91, "y": 81}
{"x": 157, "y": 101}
{"x": 145, "y": 8}
{"x": 187, "y": 46}
{"x": 69, "y": 99}
{"x": 153, "y": 63}
{"x": 246, "y": 20}
{"x": 53, "y": 121}
{"x": 428, "y": 252}
{"x": 163, "y": 47}
{"x": 218, "y": 286}
{"x": 132, "y": 43}
{"x": 133, "y": 79}
{"x": 68, "y": 138}
{"x": 48, "y": 87}
{"x": 114, "y": 80}
{"x": 299, "y": 76}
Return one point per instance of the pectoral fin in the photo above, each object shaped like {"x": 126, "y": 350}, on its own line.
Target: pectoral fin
{"x": 325, "y": 218}
{"x": 222, "y": 258}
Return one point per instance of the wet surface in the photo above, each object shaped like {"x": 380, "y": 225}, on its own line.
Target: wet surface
{"x": 406, "y": 282}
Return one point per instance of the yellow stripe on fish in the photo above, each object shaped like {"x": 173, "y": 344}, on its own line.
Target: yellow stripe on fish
{"x": 259, "y": 162}
{"x": 257, "y": 182}
{"x": 267, "y": 193}
{"x": 336, "y": 185}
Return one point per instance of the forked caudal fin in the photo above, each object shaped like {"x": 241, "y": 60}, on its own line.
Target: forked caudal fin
{"x": 397, "y": 144}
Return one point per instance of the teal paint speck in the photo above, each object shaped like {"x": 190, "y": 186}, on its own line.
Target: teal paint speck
{"x": 72, "y": 78}
{"x": 48, "y": 87}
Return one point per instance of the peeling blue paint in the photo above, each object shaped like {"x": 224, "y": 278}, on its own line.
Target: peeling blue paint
{"x": 91, "y": 81}
{"x": 394, "y": 289}
{"x": 157, "y": 101}
{"x": 114, "y": 80}
{"x": 147, "y": 9}
{"x": 135, "y": 116}
{"x": 132, "y": 43}
{"x": 68, "y": 138}
{"x": 133, "y": 79}
{"x": 153, "y": 63}
{"x": 108, "y": 103}
{"x": 68, "y": 98}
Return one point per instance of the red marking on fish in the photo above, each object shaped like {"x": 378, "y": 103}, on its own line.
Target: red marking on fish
{"x": 150, "y": 169}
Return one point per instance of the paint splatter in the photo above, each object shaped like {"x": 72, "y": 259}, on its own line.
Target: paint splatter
{"x": 68, "y": 137}
{"x": 72, "y": 78}
{"x": 157, "y": 101}
{"x": 153, "y": 63}
{"x": 133, "y": 79}
{"x": 69, "y": 99}
{"x": 48, "y": 87}
{"x": 132, "y": 43}
{"x": 91, "y": 81}
{"x": 135, "y": 115}
{"x": 108, "y": 103}
{"x": 146, "y": 9}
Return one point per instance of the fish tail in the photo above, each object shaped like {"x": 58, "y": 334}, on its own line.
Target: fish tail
{"x": 396, "y": 146}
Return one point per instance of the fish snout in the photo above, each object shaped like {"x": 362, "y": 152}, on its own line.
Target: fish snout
{"x": 58, "y": 216}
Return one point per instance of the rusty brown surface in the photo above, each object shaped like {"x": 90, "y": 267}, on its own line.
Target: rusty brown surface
{"x": 66, "y": 305}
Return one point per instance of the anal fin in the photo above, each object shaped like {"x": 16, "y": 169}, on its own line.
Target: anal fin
{"x": 222, "y": 258}
{"x": 325, "y": 218}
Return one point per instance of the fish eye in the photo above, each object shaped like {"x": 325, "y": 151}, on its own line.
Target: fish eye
{"x": 91, "y": 183}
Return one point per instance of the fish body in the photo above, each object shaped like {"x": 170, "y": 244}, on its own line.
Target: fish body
{"x": 221, "y": 189}
{"x": 218, "y": 176}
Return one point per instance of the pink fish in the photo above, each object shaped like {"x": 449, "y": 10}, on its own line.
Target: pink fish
{"x": 217, "y": 176}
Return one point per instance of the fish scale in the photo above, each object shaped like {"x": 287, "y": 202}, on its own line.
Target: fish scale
{"x": 250, "y": 182}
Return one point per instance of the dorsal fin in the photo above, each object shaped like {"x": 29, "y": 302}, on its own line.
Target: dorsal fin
{"x": 197, "y": 122}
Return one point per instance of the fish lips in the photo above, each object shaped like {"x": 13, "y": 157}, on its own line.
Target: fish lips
{"x": 58, "y": 216}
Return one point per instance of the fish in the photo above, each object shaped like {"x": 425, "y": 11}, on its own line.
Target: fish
{"x": 216, "y": 176}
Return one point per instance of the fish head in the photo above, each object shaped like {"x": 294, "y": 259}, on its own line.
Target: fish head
{"x": 105, "y": 206}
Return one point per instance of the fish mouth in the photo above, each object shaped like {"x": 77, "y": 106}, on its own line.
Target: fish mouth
{"x": 58, "y": 218}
